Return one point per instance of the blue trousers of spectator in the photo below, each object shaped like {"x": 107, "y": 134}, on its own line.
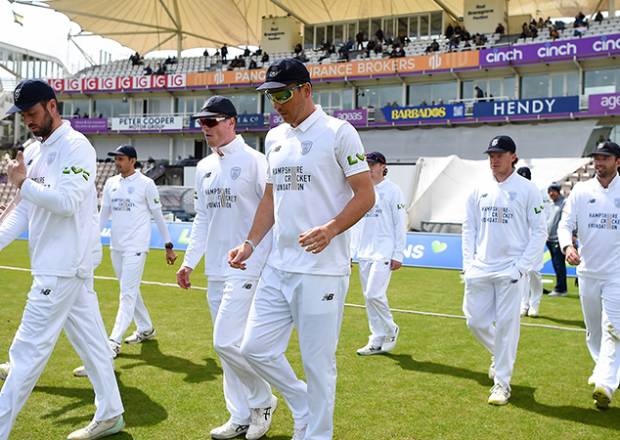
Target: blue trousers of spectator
{"x": 559, "y": 265}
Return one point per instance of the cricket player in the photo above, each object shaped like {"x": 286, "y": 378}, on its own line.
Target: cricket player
{"x": 130, "y": 199}
{"x": 56, "y": 181}
{"x": 382, "y": 234}
{"x": 318, "y": 186}
{"x": 229, "y": 185}
{"x": 533, "y": 287}
{"x": 503, "y": 233}
{"x": 593, "y": 209}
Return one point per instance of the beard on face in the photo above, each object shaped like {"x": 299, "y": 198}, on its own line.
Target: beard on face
{"x": 46, "y": 126}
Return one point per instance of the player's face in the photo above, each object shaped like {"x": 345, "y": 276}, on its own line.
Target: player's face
{"x": 553, "y": 195}
{"x": 501, "y": 162}
{"x": 376, "y": 171}
{"x": 606, "y": 166}
{"x": 124, "y": 164}
{"x": 292, "y": 109}
{"x": 39, "y": 119}
{"x": 219, "y": 134}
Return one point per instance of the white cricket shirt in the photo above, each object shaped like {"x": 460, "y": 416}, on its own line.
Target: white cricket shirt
{"x": 228, "y": 191}
{"x": 130, "y": 202}
{"x": 58, "y": 206}
{"x": 383, "y": 231}
{"x": 595, "y": 212}
{"x": 308, "y": 168}
{"x": 504, "y": 229}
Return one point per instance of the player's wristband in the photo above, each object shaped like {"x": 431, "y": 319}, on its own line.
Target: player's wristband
{"x": 249, "y": 243}
{"x": 169, "y": 246}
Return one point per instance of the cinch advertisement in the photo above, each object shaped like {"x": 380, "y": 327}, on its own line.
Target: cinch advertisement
{"x": 424, "y": 113}
{"x": 537, "y": 106}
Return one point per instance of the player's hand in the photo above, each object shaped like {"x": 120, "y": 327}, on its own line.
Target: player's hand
{"x": 183, "y": 277}
{"x": 395, "y": 265}
{"x": 238, "y": 255}
{"x": 572, "y": 256}
{"x": 171, "y": 257}
{"x": 316, "y": 239}
{"x": 16, "y": 170}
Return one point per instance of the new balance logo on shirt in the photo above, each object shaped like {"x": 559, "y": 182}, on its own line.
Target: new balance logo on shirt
{"x": 328, "y": 297}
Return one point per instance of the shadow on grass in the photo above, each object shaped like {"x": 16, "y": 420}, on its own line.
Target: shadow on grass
{"x": 522, "y": 396}
{"x": 140, "y": 409}
{"x": 570, "y": 322}
{"x": 151, "y": 355}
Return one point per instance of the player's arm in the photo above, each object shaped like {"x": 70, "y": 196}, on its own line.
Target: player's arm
{"x": 154, "y": 204}
{"x": 399, "y": 222}
{"x": 568, "y": 223}
{"x": 15, "y": 224}
{"x": 198, "y": 236}
{"x": 74, "y": 183}
{"x": 350, "y": 155}
{"x": 263, "y": 222}
{"x": 469, "y": 231}
{"x": 538, "y": 232}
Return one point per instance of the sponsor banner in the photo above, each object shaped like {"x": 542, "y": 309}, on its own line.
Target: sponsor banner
{"x": 424, "y": 113}
{"x": 90, "y": 84}
{"x": 73, "y": 85}
{"x": 551, "y": 51}
{"x": 176, "y": 81}
{"x": 158, "y": 82}
{"x": 275, "y": 119}
{"x": 107, "y": 83}
{"x": 356, "y": 117}
{"x": 89, "y": 125}
{"x": 537, "y": 106}
{"x": 112, "y": 83}
{"x": 604, "y": 104}
{"x": 140, "y": 123}
{"x": 124, "y": 83}
{"x": 57, "y": 84}
{"x": 141, "y": 82}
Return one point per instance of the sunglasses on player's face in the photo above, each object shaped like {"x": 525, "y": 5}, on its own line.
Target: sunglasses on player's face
{"x": 211, "y": 122}
{"x": 282, "y": 96}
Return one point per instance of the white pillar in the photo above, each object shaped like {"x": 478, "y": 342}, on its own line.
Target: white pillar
{"x": 611, "y": 8}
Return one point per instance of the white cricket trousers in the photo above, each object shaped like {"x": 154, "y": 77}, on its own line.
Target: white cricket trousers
{"x": 600, "y": 302}
{"x": 491, "y": 307}
{"x": 229, "y": 303}
{"x": 129, "y": 267}
{"x": 532, "y": 291}
{"x": 314, "y": 304}
{"x": 375, "y": 278}
{"x": 55, "y": 303}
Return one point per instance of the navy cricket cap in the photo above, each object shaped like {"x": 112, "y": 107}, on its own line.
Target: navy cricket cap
{"x": 285, "y": 72}
{"x": 525, "y": 172}
{"x": 216, "y": 106}
{"x": 555, "y": 186}
{"x": 124, "y": 150}
{"x": 376, "y": 157}
{"x": 501, "y": 144}
{"x": 607, "y": 149}
{"x": 30, "y": 92}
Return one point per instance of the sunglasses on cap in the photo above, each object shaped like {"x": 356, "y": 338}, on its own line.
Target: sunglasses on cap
{"x": 211, "y": 122}
{"x": 282, "y": 96}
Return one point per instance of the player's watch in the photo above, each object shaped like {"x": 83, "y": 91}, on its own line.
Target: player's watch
{"x": 169, "y": 245}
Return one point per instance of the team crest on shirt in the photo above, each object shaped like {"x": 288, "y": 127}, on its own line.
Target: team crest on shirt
{"x": 306, "y": 146}
{"x": 512, "y": 195}
{"x": 131, "y": 189}
{"x": 207, "y": 175}
{"x": 592, "y": 201}
{"x": 235, "y": 172}
{"x": 277, "y": 148}
{"x": 51, "y": 157}
{"x": 617, "y": 203}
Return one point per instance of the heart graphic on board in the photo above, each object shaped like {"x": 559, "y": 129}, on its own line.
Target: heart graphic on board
{"x": 438, "y": 246}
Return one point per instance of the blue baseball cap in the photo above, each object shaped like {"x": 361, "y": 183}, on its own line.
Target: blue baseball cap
{"x": 606, "y": 149}
{"x": 30, "y": 92}
{"x": 285, "y": 72}
{"x": 376, "y": 157}
{"x": 124, "y": 150}
{"x": 216, "y": 106}
{"x": 501, "y": 144}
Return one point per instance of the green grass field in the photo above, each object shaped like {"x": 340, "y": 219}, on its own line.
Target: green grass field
{"x": 434, "y": 385}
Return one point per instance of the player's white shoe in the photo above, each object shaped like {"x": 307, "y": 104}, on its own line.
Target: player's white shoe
{"x": 555, "y": 293}
{"x": 499, "y": 395}
{"x": 369, "y": 349}
{"x": 300, "y": 433}
{"x": 601, "y": 396}
{"x": 115, "y": 347}
{"x": 139, "y": 337}
{"x": 99, "y": 429}
{"x": 228, "y": 430}
{"x": 591, "y": 380}
{"x": 524, "y": 311}
{"x": 261, "y": 420}
{"x": 80, "y": 371}
{"x": 390, "y": 341}
{"x": 492, "y": 369}
{"x": 5, "y": 368}
{"x": 532, "y": 313}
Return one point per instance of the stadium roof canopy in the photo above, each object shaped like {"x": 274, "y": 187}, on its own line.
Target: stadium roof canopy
{"x": 146, "y": 25}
